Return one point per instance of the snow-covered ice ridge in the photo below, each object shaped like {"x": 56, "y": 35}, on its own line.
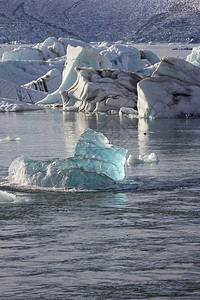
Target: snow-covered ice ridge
{"x": 97, "y": 20}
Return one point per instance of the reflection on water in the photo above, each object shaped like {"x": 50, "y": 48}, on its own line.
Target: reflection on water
{"x": 133, "y": 244}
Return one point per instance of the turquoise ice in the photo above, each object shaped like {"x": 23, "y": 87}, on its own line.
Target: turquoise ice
{"x": 97, "y": 164}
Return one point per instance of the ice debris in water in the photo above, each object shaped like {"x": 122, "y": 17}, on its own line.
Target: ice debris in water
{"x": 151, "y": 158}
{"x": 9, "y": 139}
{"x": 97, "y": 164}
{"x": 6, "y": 197}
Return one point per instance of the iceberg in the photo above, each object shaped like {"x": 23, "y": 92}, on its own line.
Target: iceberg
{"x": 172, "y": 91}
{"x": 14, "y": 97}
{"x": 96, "y": 164}
{"x": 6, "y": 198}
{"x": 76, "y": 57}
{"x": 22, "y": 72}
{"x": 194, "y": 57}
{"x": 50, "y": 48}
{"x": 151, "y": 158}
{"x": 13, "y": 91}
{"x": 112, "y": 88}
{"x": 150, "y": 56}
{"x": 128, "y": 58}
{"x": 47, "y": 83}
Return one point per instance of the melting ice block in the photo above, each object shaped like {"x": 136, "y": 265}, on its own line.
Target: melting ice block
{"x": 97, "y": 164}
{"x": 151, "y": 158}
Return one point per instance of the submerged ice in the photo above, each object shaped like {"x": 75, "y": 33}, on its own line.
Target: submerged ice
{"x": 97, "y": 164}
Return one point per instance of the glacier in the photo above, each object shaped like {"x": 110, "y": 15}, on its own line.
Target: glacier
{"x": 138, "y": 20}
{"x": 96, "y": 164}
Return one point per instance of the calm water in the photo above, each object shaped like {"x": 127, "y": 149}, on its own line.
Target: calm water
{"x": 142, "y": 242}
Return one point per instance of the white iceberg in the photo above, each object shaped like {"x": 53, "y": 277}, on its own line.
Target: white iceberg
{"x": 6, "y": 197}
{"x": 194, "y": 56}
{"x": 150, "y": 56}
{"x": 22, "y": 72}
{"x": 47, "y": 83}
{"x": 172, "y": 91}
{"x": 77, "y": 57}
{"x": 113, "y": 88}
{"x": 16, "y": 98}
{"x": 128, "y": 58}
{"x": 10, "y": 105}
{"x": 9, "y": 139}
{"x": 73, "y": 42}
{"x": 124, "y": 57}
{"x": 149, "y": 158}
{"x": 13, "y": 91}
{"x": 97, "y": 164}
{"x": 50, "y": 48}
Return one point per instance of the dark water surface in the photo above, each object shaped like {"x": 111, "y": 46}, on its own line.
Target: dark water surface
{"x": 142, "y": 242}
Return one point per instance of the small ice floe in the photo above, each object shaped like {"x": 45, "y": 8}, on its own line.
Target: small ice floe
{"x": 151, "y": 158}
{"x": 6, "y": 197}
{"x": 9, "y": 139}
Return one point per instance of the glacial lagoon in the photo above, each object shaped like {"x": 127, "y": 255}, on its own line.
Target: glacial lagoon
{"x": 136, "y": 242}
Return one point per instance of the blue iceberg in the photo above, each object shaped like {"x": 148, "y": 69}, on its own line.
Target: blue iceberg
{"x": 97, "y": 164}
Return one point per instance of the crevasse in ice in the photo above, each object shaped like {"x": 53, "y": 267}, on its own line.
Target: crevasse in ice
{"x": 97, "y": 164}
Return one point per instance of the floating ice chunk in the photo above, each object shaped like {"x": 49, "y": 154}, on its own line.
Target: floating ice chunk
{"x": 151, "y": 158}
{"x": 194, "y": 56}
{"x": 77, "y": 57}
{"x": 128, "y": 111}
{"x": 50, "y": 48}
{"x": 97, "y": 164}
{"x": 6, "y": 197}
{"x": 9, "y": 139}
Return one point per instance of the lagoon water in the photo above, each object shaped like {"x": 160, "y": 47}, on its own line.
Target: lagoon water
{"x": 138, "y": 242}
